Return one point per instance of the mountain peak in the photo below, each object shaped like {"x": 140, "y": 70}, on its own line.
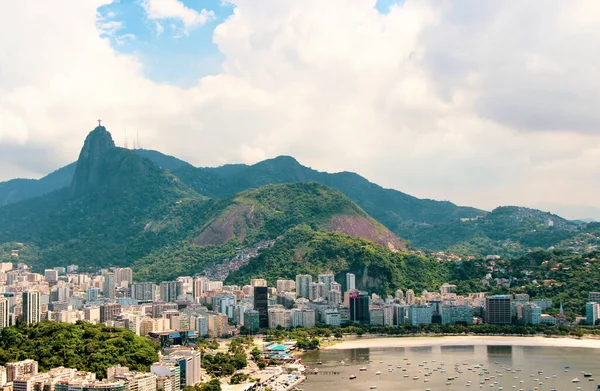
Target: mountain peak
{"x": 87, "y": 174}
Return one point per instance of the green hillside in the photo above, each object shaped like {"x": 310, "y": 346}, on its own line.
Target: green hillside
{"x": 118, "y": 209}
{"x": 303, "y": 250}
{"x": 262, "y": 214}
{"x": 83, "y": 346}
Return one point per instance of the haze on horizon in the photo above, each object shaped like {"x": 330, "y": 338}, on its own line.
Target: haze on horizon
{"x": 482, "y": 103}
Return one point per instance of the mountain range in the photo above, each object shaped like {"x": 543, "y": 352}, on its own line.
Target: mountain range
{"x": 165, "y": 217}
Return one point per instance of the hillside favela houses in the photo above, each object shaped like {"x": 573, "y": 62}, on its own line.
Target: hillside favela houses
{"x": 176, "y": 313}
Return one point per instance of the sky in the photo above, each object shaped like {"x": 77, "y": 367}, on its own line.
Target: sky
{"x": 482, "y": 103}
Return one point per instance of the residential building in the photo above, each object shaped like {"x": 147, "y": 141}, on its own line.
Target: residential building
{"x": 327, "y": 280}
{"x": 286, "y": 285}
{"x": 4, "y": 313}
{"x": 258, "y": 282}
{"x": 303, "y": 318}
{"x": 31, "y": 307}
{"x": 532, "y": 314}
{"x": 592, "y": 312}
{"x": 410, "y": 297}
{"x": 332, "y": 317}
{"x": 350, "y": 282}
{"x": 420, "y": 314}
{"x": 252, "y": 320}
{"x": 171, "y": 372}
{"x": 108, "y": 311}
{"x": 143, "y": 291}
{"x": 303, "y": 282}
{"x": 15, "y": 370}
{"x": 462, "y": 314}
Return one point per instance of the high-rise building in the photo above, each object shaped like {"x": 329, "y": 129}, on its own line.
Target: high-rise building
{"x": 303, "y": 282}
{"x": 316, "y": 290}
{"x": 350, "y": 281}
{"x": 498, "y": 309}
{"x": 4, "y": 317}
{"x": 452, "y": 314}
{"x": 143, "y": 291}
{"x": 31, "y": 307}
{"x": 334, "y": 297}
{"x": 279, "y": 317}
{"x": 261, "y": 304}
{"x": 199, "y": 286}
{"x": 447, "y": 288}
{"x": 532, "y": 314}
{"x": 285, "y": 285}
{"x": 303, "y": 318}
{"x": 51, "y": 276}
{"x": 15, "y": 370}
{"x": 592, "y": 312}
{"x": 170, "y": 371}
{"x": 108, "y": 287}
{"x": 123, "y": 277}
{"x": 108, "y": 311}
{"x": 359, "y": 307}
{"x": 92, "y": 294}
{"x": 170, "y": 290}
{"x": 399, "y": 295}
{"x": 327, "y": 280}
{"x": 252, "y": 320}
{"x": 224, "y": 304}
{"x": 420, "y": 314}
{"x": 410, "y": 297}
{"x": 258, "y": 282}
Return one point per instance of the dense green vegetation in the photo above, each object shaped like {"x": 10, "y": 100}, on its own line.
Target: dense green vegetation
{"x": 303, "y": 250}
{"x": 506, "y": 231}
{"x": 225, "y": 364}
{"x": 83, "y": 346}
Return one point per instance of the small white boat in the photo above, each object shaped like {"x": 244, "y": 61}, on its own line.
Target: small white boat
{"x": 352, "y": 377}
{"x": 576, "y": 380}
{"x": 378, "y": 373}
{"x": 363, "y": 369}
{"x": 373, "y": 387}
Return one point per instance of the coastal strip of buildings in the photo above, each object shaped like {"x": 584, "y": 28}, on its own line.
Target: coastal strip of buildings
{"x": 190, "y": 307}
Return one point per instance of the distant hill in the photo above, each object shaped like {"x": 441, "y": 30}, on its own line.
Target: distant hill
{"x": 426, "y": 224}
{"x": 122, "y": 209}
{"x": 100, "y": 219}
{"x": 390, "y": 207}
{"x": 506, "y": 231}
{"x": 17, "y": 190}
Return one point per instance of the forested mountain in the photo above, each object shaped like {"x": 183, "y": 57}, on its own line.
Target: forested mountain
{"x": 426, "y": 224}
{"x": 122, "y": 209}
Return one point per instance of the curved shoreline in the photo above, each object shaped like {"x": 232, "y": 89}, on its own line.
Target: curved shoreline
{"x": 471, "y": 340}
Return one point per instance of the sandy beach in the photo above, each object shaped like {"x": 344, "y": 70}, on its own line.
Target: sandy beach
{"x": 392, "y": 342}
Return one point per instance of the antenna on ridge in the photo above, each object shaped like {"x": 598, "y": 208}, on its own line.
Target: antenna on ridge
{"x": 125, "y": 139}
{"x": 138, "y": 139}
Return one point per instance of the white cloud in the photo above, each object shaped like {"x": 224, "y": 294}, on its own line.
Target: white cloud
{"x": 159, "y": 29}
{"x": 175, "y": 9}
{"x": 482, "y": 103}
{"x": 109, "y": 28}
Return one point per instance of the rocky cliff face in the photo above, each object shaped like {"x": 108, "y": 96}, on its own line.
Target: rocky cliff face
{"x": 89, "y": 173}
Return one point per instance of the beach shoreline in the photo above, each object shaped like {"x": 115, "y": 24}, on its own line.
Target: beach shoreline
{"x": 468, "y": 340}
